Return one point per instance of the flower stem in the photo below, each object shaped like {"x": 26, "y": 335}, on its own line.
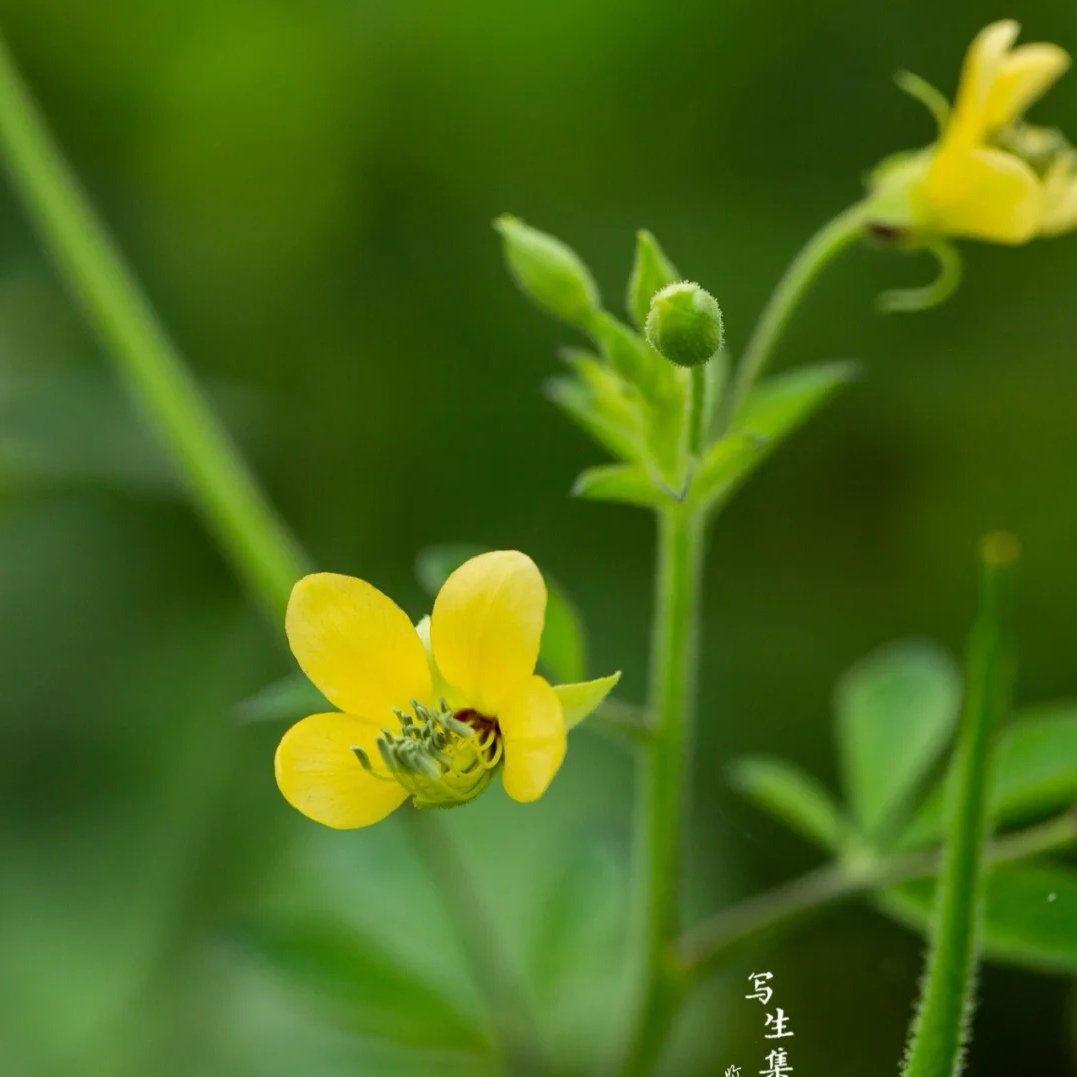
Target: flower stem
{"x": 258, "y": 544}
{"x": 837, "y": 234}
{"x": 517, "y": 1038}
{"x": 673, "y": 689}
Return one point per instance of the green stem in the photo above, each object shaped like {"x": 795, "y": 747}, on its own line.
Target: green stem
{"x": 517, "y": 1036}
{"x": 940, "y": 1028}
{"x": 260, "y": 547}
{"x": 697, "y": 397}
{"x": 706, "y": 946}
{"x": 672, "y": 703}
{"x": 816, "y": 254}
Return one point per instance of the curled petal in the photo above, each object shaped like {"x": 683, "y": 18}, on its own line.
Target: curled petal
{"x": 984, "y": 61}
{"x": 533, "y": 731}
{"x": 319, "y": 773}
{"x": 356, "y": 645}
{"x": 1025, "y": 75}
{"x": 487, "y": 625}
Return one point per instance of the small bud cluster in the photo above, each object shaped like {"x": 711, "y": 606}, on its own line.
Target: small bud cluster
{"x": 439, "y": 759}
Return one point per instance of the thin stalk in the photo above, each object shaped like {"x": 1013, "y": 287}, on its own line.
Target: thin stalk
{"x": 517, "y": 1037}
{"x": 252, "y": 536}
{"x": 697, "y": 397}
{"x": 672, "y": 703}
{"x": 940, "y": 1028}
{"x": 815, "y": 255}
{"x": 254, "y": 539}
{"x": 709, "y": 944}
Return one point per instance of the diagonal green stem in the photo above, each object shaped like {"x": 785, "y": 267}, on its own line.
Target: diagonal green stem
{"x": 816, "y": 254}
{"x": 260, "y": 547}
{"x": 707, "y": 945}
{"x": 673, "y": 688}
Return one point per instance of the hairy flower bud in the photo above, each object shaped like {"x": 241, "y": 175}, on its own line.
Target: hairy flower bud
{"x": 550, "y": 272}
{"x": 685, "y": 324}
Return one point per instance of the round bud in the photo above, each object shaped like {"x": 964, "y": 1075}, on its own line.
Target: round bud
{"x": 684, "y": 324}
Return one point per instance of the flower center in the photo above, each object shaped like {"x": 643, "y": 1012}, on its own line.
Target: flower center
{"x": 440, "y": 757}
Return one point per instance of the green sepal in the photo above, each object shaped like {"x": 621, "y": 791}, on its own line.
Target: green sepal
{"x": 285, "y": 700}
{"x": 549, "y": 272}
{"x": 651, "y": 272}
{"x": 792, "y": 797}
{"x": 628, "y": 484}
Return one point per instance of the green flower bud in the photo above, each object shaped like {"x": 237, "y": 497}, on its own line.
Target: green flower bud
{"x": 651, "y": 271}
{"x": 685, "y": 324}
{"x": 548, "y": 271}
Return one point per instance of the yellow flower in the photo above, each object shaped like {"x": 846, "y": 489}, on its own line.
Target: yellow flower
{"x": 990, "y": 176}
{"x": 428, "y": 711}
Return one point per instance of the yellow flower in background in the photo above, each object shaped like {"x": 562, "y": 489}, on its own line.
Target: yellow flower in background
{"x": 990, "y": 176}
{"x": 429, "y": 711}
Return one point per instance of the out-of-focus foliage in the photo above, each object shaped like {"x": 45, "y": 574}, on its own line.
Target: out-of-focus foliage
{"x": 307, "y": 191}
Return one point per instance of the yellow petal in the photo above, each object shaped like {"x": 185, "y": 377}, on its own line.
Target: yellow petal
{"x": 984, "y": 194}
{"x": 533, "y": 731}
{"x": 1026, "y": 74}
{"x": 1060, "y": 197}
{"x": 319, "y": 774}
{"x": 356, "y": 645}
{"x": 486, "y": 627}
{"x": 984, "y": 61}
{"x": 581, "y": 699}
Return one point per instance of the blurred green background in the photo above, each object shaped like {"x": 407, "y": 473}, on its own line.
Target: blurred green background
{"x": 306, "y": 191}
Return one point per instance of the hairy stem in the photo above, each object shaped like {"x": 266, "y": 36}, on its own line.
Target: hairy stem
{"x": 673, "y": 684}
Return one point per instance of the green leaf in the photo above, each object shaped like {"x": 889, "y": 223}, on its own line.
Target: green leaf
{"x": 940, "y": 1028}
{"x": 1035, "y": 773}
{"x": 287, "y": 700}
{"x": 780, "y": 404}
{"x": 581, "y": 922}
{"x": 651, "y": 272}
{"x": 563, "y": 650}
{"x": 724, "y": 465}
{"x": 792, "y": 797}
{"x": 628, "y": 484}
{"x": 896, "y": 711}
{"x": 367, "y": 988}
{"x": 1031, "y": 917}
{"x": 600, "y": 402}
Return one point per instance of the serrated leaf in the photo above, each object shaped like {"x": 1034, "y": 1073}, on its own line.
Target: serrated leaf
{"x": 365, "y": 987}
{"x": 792, "y": 797}
{"x": 563, "y": 650}
{"x": 896, "y": 711}
{"x": 724, "y": 465}
{"x": 1031, "y": 914}
{"x": 287, "y": 700}
{"x": 780, "y": 404}
{"x": 627, "y": 484}
{"x": 1034, "y": 773}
